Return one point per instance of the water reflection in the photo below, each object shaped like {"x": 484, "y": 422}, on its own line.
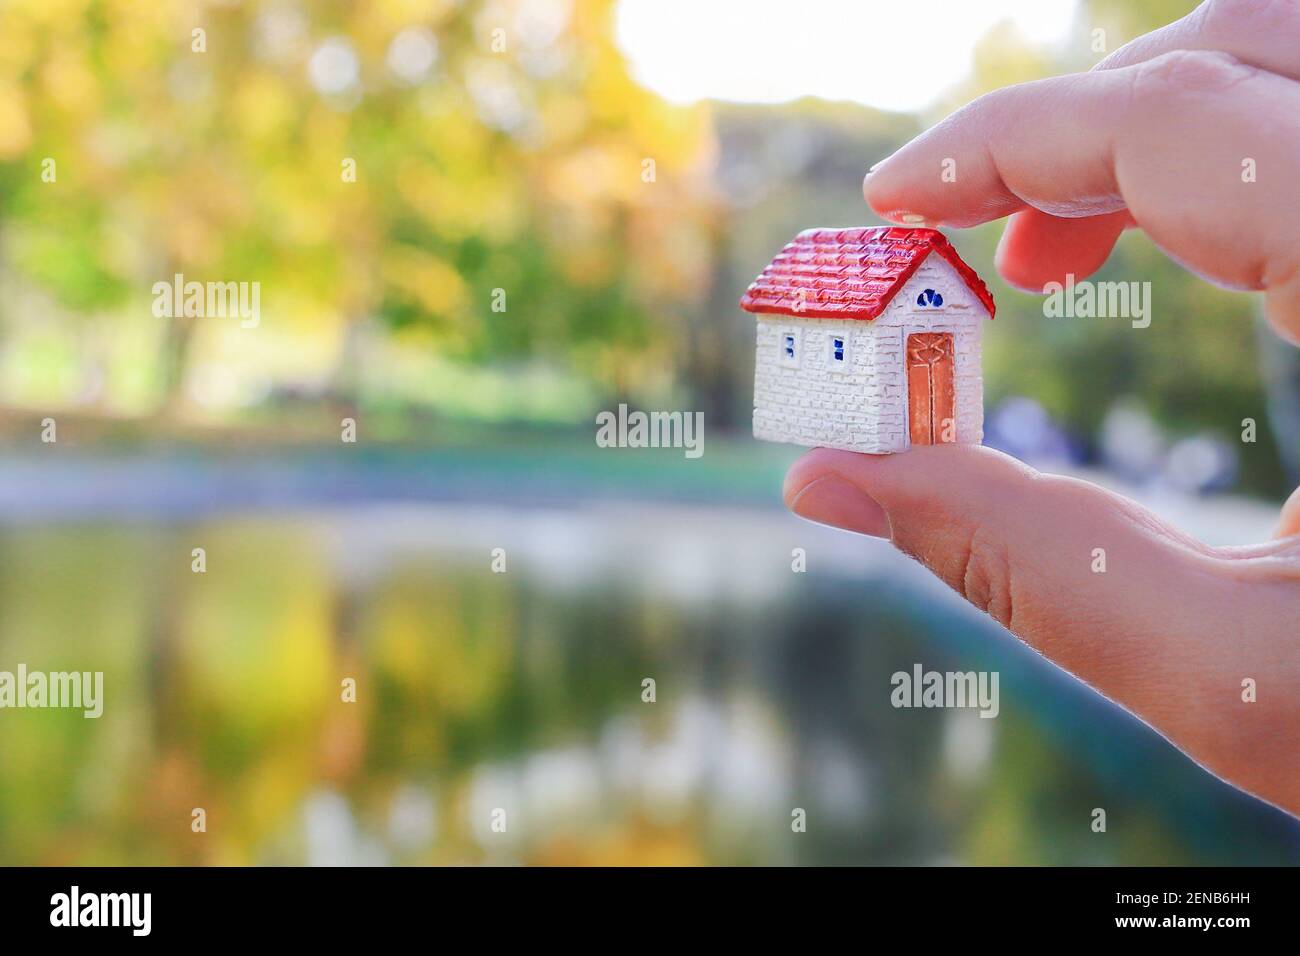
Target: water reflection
{"x": 500, "y": 716}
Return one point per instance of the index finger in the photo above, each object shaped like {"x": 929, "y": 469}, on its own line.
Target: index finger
{"x": 1168, "y": 138}
{"x": 1263, "y": 33}
{"x": 1037, "y": 248}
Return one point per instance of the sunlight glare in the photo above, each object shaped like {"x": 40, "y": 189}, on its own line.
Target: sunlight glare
{"x": 891, "y": 54}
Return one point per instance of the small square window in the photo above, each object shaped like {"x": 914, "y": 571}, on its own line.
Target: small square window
{"x": 837, "y": 352}
{"x": 790, "y": 344}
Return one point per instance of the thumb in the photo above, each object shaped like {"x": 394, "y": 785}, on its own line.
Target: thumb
{"x": 1090, "y": 579}
{"x": 1290, "y": 521}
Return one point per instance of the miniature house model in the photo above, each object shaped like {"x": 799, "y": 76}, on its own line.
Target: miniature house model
{"x": 868, "y": 340}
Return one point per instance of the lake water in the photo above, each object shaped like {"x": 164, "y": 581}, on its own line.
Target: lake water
{"x": 501, "y": 716}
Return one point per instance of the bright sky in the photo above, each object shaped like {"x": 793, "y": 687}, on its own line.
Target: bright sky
{"x": 891, "y": 54}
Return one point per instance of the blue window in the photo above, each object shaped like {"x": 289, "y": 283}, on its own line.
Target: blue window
{"x": 837, "y": 349}
{"x": 929, "y": 299}
{"x": 789, "y": 346}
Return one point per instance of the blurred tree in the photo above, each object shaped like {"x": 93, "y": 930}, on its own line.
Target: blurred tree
{"x": 483, "y": 177}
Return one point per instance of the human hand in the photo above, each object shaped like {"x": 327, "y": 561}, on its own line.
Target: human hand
{"x": 1155, "y": 137}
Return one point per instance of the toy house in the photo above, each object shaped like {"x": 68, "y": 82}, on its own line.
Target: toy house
{"x": 869, "y": 341}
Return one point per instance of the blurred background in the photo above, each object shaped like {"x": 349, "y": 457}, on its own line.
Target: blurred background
{"x": 475, "y": 225}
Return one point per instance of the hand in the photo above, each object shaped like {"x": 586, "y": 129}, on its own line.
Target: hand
{"x": 1155, "y": 137}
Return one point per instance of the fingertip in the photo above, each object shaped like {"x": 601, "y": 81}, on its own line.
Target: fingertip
{"x": 1013, "y": 268}
{"x": 1037, "y": 248}
{"x": 892, "y": 192}
{"x": 816, "y": 490}
{"x": 814, "y": 464}
{"x": 830, "y": 500}
{"x": 871, "y": 185}
{"x": 1289, "y": 523}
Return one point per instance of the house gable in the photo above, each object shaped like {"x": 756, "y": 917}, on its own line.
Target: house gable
{"x": 935, "y": 279}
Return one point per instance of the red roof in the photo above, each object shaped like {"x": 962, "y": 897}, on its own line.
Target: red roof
{"x": 850, "y": 273}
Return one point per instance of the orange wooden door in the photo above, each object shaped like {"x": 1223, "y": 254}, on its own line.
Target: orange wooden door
{"x": 930, "y": 404}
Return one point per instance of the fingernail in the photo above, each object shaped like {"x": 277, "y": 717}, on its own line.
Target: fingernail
{"x": 833, "y": 501}
{"x": 904, "y": 218}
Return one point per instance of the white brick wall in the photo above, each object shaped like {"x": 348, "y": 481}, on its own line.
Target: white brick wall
{"x": 864, "y": 406}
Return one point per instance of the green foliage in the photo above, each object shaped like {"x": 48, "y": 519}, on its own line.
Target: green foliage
{"x": 521, "y": 169}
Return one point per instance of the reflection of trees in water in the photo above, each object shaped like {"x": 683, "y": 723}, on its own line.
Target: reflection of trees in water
{"x": 831, "y": 674}
{"x": 479, "y": 690}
